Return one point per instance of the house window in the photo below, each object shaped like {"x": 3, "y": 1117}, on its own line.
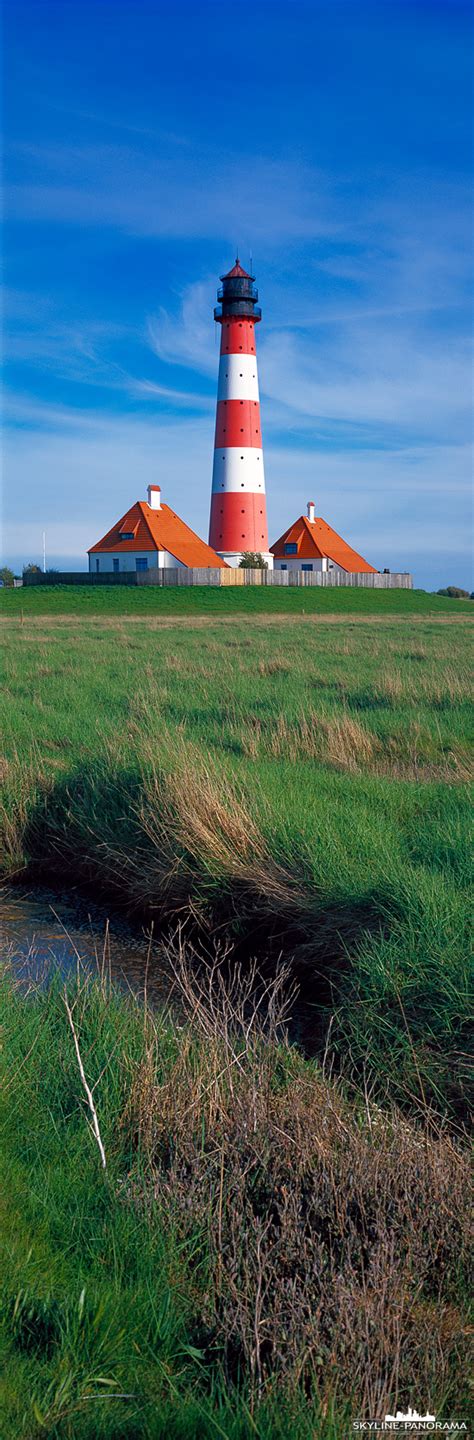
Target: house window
{"x": 127, "y": 534}
{"x": 141, "y": 564}
{"x": 306, "y": 567}
{"x": 291, "y": 549}
{"x": 283, "y": 567}
{"x": 115, "y": 564}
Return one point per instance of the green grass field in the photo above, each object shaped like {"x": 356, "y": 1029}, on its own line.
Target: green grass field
{"x": 303, "y": 780}
{"x": 289, "y": 779}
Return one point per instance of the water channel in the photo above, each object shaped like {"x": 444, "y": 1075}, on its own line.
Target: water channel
{"x": 44, "y": 931}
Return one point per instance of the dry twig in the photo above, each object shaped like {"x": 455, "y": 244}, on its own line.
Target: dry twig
{"x": 90, "y": 1098}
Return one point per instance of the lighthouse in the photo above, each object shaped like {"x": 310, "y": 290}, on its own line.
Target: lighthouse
{"x": 238, "y": 519}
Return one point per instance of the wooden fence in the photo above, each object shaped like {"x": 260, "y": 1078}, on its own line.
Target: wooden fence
{"x": 368, "y": 580}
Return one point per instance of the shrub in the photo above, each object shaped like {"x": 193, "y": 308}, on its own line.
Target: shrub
{"x": 251, "y": 560}
{"x": 454, "y": 593}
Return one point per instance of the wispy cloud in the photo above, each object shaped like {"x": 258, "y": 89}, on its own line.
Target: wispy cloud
{"x": 187, "y": 194}
{"x": 188, "y": 337}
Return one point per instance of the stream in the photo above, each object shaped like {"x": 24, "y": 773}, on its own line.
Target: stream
{"x": 43, "y": 931}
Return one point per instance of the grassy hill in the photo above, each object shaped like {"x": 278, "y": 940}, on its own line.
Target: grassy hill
{"x": 211, "y": 600}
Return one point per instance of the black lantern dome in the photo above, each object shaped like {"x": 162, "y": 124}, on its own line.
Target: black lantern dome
{"x": 237, "y": 295}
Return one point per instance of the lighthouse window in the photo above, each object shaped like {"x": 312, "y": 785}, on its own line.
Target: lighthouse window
{"x": 291, "y": 549}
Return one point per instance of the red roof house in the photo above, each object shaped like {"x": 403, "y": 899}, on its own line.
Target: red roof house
{"x": 150, "y": 534}
{"x": 311, "y": 544}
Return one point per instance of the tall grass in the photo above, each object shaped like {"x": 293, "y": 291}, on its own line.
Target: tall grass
{"x": 260, "y": 1256}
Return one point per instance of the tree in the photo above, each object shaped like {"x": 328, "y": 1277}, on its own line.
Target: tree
{"x": 252, "y": 561}
{"x": 454, "y": 592}
{"x": 32, "y": 570}
{"x": 6, "y": 575}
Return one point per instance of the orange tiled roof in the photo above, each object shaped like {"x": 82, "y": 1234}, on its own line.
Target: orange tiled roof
{"x": 317, "y": 539}
{"x": 158, "y": 530}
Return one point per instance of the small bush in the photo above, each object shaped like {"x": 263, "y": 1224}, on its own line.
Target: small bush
{"x": 252, "y": 560}
{"x": 454, "y": 592}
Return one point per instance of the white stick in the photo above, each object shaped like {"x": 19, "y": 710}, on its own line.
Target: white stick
{"x": 90, "y": 1101}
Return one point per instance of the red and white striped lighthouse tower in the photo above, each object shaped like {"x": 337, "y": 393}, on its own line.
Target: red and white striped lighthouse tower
{"x": 238, "y": 507}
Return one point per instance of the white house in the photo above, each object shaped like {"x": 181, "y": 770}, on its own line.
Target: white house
{"x": 311, "y": 544}
{"x": 150, "y": 534}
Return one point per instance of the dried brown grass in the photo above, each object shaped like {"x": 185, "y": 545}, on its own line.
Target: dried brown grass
{"x": 23, "y": 780}
{"x": 441, "y": 687}
{"x": 334, "y": 1235}
{"x": 342, "y": 742}
{"x": 273, "y": 667}
{"x": 192, "y": 827}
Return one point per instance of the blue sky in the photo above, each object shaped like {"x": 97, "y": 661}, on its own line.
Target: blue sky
{"x": 145, "y": 142}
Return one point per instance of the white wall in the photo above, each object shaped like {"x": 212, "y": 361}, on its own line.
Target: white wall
{"x": 233, "y": 557}
{"x": 168, "y": 561}
{"x": 127, "y": 560}
{"x": 294, "y": 562}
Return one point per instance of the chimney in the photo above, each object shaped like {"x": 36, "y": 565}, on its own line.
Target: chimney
{"x": 154, "y": 497}
{"x": 311, "y": 511}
